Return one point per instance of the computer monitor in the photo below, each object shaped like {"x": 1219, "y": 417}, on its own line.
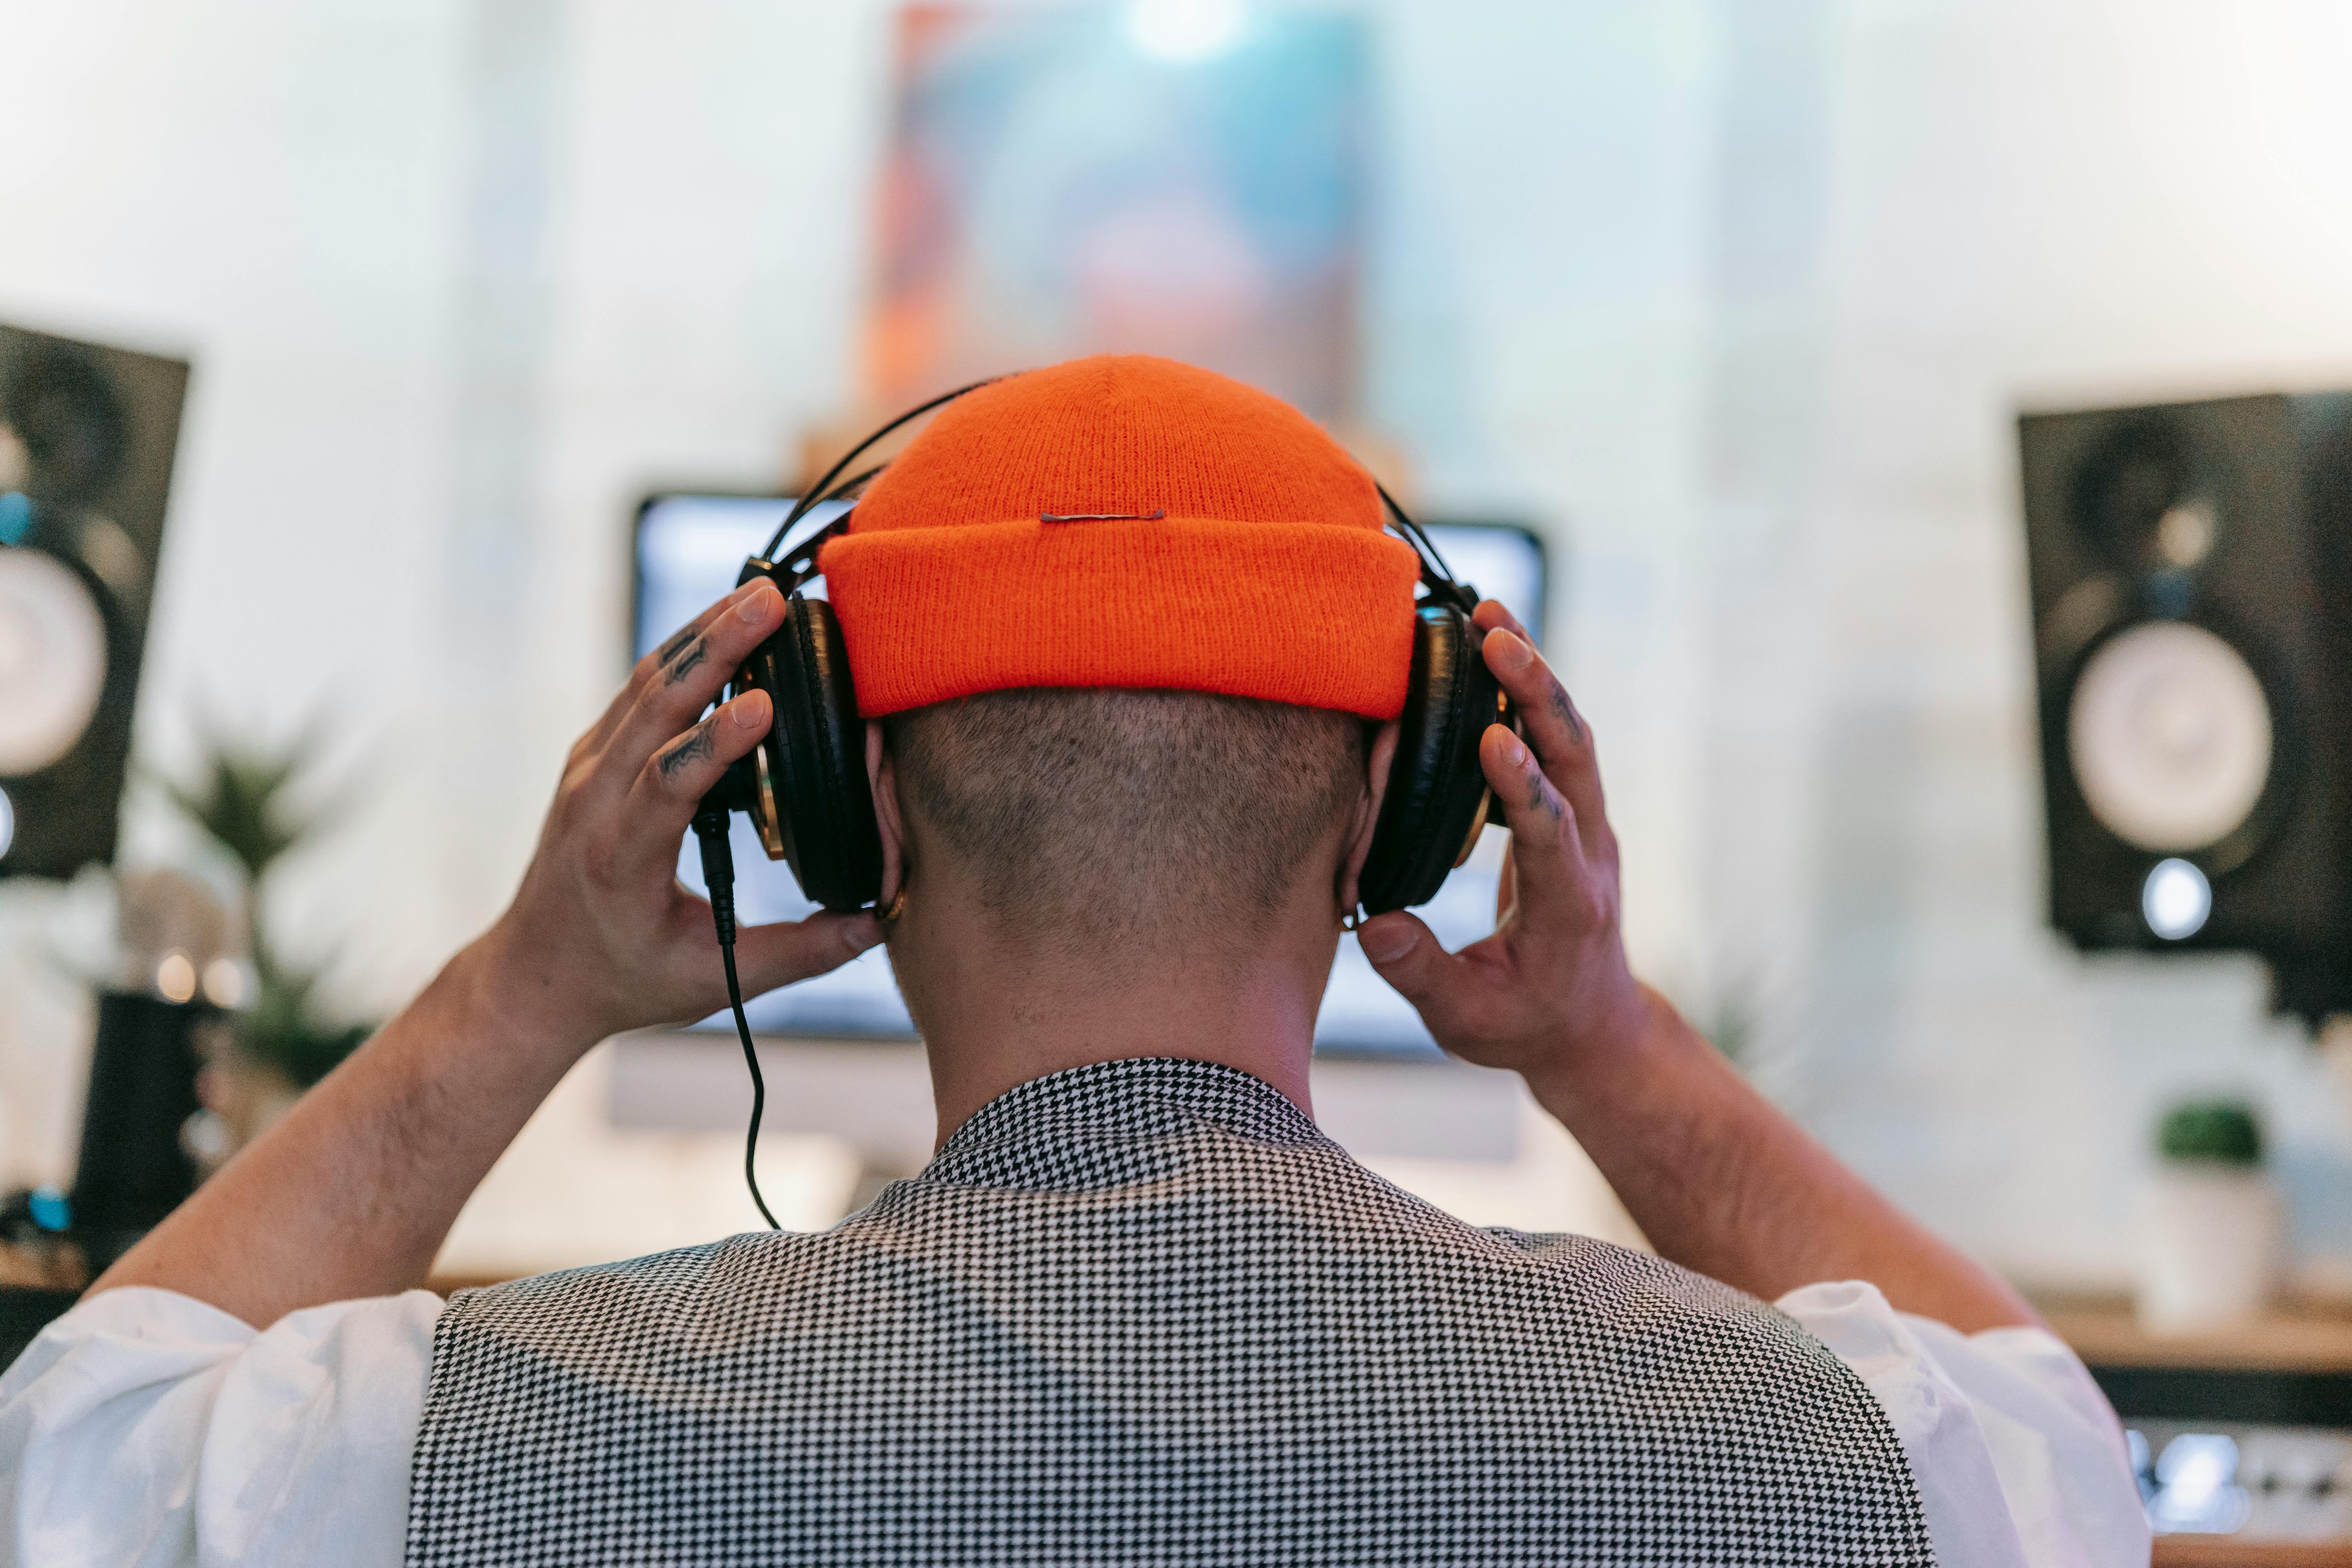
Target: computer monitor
{"x": 688, "y": 548}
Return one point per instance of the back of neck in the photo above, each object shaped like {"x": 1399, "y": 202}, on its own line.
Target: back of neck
{"x": 992, "y": 1020}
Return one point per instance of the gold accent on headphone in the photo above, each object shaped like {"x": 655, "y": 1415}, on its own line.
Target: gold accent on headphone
{"x": 1477, "y": 824}
{"x": 766, "y": 817}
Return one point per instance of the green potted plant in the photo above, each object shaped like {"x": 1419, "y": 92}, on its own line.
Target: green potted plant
{"x": 2213, "y": 1221}
{"x": 244, "y": 800}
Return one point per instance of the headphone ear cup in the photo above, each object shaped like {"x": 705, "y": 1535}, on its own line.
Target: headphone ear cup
{"x": 1436, "y": 798}
{"x": 814, "y": 761}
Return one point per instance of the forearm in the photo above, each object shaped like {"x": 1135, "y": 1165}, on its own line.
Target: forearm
{"x": 1722, "y": 1183}
{"x": 353, "y": 1192}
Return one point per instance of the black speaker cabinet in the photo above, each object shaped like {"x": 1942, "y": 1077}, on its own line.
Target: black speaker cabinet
{"x": 2191, "y": 647}
{"x": 143, "y": 1089}
{"x": 86, "y": 439}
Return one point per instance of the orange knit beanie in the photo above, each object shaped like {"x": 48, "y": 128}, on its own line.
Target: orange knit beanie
{"x": 1245, "y": 554}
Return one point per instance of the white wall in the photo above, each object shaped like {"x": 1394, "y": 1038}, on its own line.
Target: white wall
{"x": 265, "y": 188}
{"x": 1734, "y": 296}
{"x": 2042, "y": 204}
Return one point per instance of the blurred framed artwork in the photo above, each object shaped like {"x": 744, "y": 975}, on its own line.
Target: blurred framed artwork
{"x": 1181, "y": 177}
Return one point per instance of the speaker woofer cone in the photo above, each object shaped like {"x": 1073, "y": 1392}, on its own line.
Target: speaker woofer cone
{"x": 53, "y": 660}
{"x": 2171, "y": 737}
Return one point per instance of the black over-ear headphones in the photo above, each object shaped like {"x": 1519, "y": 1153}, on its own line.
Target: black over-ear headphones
{"x": 806, "y": 787}
{"x": 807, "y": 792}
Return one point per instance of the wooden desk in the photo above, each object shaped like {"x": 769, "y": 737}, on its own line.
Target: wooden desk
{"x": 2291, "y": 1369}
{"x": 2314, "y": 1338}
{"x": 2223, "y": 1551}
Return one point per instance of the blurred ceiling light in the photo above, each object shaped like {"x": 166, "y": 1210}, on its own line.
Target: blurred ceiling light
{"x": 223, "y": 982}
{"x": 175, "y": 978}
{"x": 1183, "y": 32}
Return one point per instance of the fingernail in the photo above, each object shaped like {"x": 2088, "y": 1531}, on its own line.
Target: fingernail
{"x": 753, "y": 606}
{"x": 1384, "y": 942}
{"x": 1514, "y": 751}
{"x": 750, "y": 712}
{"x": 1511, "y": 652}
{"x": 861, "y": 933}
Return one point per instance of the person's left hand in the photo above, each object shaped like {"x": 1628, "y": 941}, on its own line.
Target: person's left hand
{"x": 601, "y": 936}
{"x": 1550, "y": 989}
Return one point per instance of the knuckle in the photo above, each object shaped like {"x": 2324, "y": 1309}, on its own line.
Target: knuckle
{"x": 567, "y": 808}
{"x": 1479, "y": 1021}
{"x": 600, "y": 862}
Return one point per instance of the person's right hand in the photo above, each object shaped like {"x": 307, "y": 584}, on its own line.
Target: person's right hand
{"x": 601, "y": 937}
{"x": 1550, "y": 986}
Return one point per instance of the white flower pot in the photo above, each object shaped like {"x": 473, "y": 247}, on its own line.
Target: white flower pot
{"x": 2211, "y": 1245}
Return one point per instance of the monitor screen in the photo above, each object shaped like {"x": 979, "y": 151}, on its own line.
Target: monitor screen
{"x": 688, "y": 548}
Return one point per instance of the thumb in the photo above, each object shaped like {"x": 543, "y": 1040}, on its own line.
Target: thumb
{"x": 1410, "y": 958}
{"x": 770, "y": 956}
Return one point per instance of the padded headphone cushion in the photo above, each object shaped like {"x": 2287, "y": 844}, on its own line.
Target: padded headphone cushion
{"x": 1435, "y": 785}
{"x": 816, "y": 759}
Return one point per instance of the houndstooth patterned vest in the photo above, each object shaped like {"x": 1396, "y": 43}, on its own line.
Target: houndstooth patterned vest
{"x": 1144, "y": 1312}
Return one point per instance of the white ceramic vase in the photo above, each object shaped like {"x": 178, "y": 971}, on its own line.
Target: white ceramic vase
{"x": 2209, "y": 1247}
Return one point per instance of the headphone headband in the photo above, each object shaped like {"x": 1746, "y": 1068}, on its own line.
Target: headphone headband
{"x": 817, "y": 493}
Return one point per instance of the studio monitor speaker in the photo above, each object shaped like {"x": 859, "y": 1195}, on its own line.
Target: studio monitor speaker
{"x": 133, "y": 1168}
{"x": 86, "y": 438}
{"x": 2193, "y": 652}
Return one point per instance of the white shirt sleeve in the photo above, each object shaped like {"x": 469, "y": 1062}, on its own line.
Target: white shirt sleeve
{"x": 2018, "y": 1461}
{"x": 145, "y": 1427}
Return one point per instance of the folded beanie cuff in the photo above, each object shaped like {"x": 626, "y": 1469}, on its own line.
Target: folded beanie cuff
{"x": 1316, "y": 614}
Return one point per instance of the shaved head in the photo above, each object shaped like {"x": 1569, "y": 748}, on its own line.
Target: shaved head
{"x": 1093, "y": 819}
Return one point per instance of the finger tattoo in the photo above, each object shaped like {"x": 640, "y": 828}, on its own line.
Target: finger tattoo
{"x": 692, "y": 750}
{"x": 1565, "y": 712}
{"x": 1548, "y": 800}
{"x": 687, "y": 660}
{"x": 675, "y": 647}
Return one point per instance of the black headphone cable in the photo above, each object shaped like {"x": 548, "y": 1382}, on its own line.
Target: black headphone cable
{"x": 718, "y": 877}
